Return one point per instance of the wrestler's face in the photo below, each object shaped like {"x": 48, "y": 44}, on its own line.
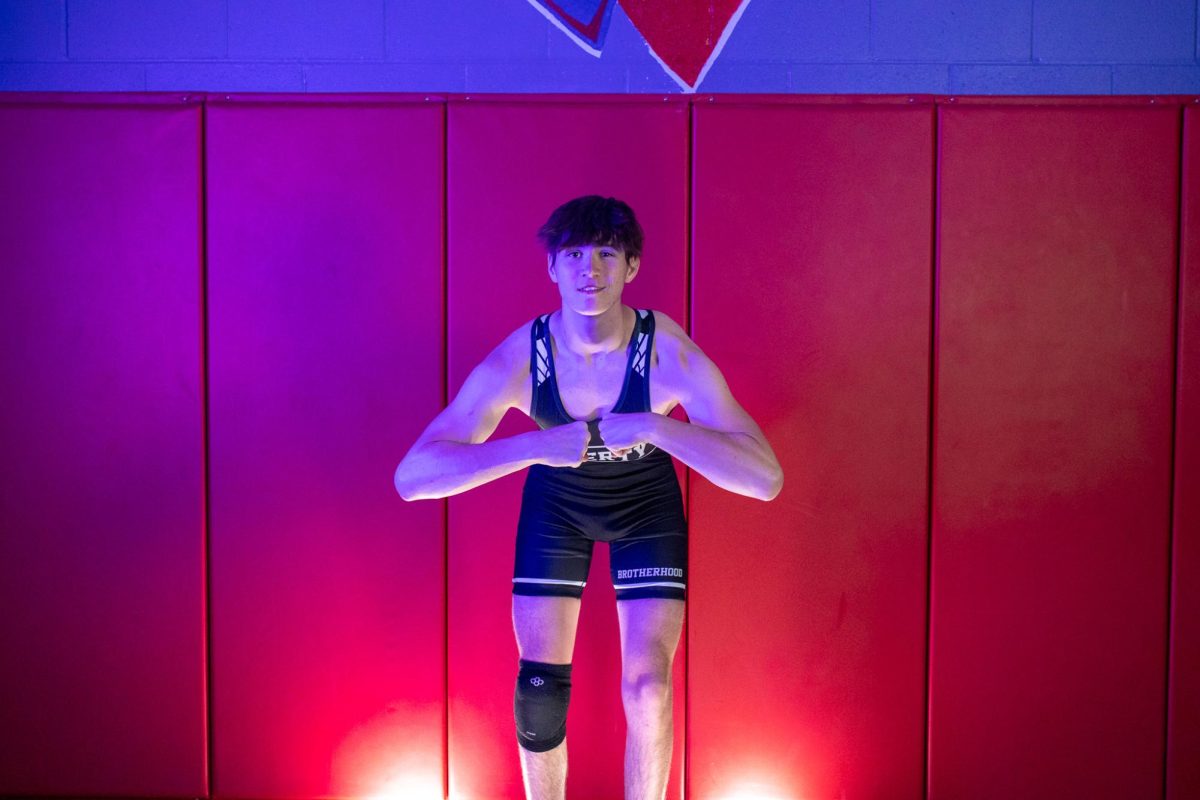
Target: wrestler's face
{"x": 576, "y": 268}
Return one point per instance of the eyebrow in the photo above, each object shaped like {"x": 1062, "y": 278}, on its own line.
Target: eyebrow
{"x": 612, "y": 247}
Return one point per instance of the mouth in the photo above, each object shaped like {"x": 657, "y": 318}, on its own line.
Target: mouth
{"x": 591, "y": 289}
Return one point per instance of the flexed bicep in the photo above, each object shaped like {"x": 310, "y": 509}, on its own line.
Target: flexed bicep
{"x": 474, "y": 413}
{"x": 705, "y": 395}
{"x": 720, "y": 440}
{"x": 490, "y": 389}
{"x": 452, "y": 453}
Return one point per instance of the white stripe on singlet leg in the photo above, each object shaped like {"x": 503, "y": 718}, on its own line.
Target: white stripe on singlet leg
{"x": 640, "y": 585}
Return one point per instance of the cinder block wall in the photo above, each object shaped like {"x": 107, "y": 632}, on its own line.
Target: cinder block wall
{"x": 836, "y": 46}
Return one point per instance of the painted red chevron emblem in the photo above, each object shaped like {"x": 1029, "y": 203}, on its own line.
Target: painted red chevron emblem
{"x": 685, "y": 36}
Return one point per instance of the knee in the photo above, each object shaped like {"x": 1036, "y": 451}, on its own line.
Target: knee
{"x": 647, "y": 688}
{"x": 540, "y": 704}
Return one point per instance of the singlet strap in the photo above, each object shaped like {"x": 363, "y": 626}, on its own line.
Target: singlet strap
{"x": 539, "y": 353}
{"x": 544, "y": 404}
{"x": 635, "y": 394}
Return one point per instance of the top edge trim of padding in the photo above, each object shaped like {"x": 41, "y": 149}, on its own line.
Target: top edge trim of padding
{"x": 190, "y": 98}
{"x": 943, "y": 99}
{"x": 907, "y": 98}
{"x": 392, "y": 98}
{"x": 558, "y": 98}
{"x": 102, "y": 98}
{"x": 1069, "y": 100}
{"x": 326, "y": 98}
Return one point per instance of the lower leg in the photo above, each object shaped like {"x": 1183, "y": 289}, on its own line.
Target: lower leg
{"x": 649, "y": 739}
{"x": 545, "y": 773}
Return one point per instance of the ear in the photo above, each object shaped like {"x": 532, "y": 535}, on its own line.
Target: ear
{"x": 550, "y": 267}
{"x": 632, "y": 270}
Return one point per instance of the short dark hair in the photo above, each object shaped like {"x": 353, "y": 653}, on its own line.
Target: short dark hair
{"x": 592, "y": 219}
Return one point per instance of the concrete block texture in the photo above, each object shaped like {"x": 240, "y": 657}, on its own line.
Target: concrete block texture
{"x": 870, "y": 78}
{"x": 391, "y": 77}
{"x": 465, "y": 30}
{"x": 33, "y": 31}
{"x": 950, "y": 30}
{"x": 545, "y": 76}
{"x": 22, "y": 76}
{"x": 1155, "y": 79}
{"x": 315, "y": 30}
{"x": 131, "y": 30}
{"x": 1030, "y": 79}
{"x": 224, "y": 77}
{"x": 742, "y": 76}
{"x": 1083, "y": 31}
{"x": 1010, "y": 47}
{"x": 785, "y": 30}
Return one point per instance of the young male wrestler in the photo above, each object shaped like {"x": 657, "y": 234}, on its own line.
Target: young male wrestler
{"x": 599, "y": 470}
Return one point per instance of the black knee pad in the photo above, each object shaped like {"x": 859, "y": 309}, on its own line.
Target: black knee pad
{"x": 540, "y": 704}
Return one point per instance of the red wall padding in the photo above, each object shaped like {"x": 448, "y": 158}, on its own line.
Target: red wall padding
{"x": 1183, "y": 711}
{"x": 102, "y": 669}
{"x": 325, "y": 318}
{"x": 211, "y": 587}
{"x": 811, "y": 292}
{"x": 1052, "y": 450}
{"x": 510, "y": 165}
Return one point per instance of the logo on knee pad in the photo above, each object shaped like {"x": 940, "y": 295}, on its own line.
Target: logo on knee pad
{"x": 536, "y": 681}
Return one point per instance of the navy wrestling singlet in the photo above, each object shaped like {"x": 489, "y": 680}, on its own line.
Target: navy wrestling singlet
{"x": 633, "y": 503}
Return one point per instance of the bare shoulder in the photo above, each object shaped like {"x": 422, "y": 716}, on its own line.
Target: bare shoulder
{"x": 497, "y": 378}
{"x": 515, "y": 345}
{"x": 492, "y": 387}
{"x": 510, "y": 358}
{"x": 682, "y": 365}
{"x": 671, "y": 341}
{"x": 698, "y": 384}
{"x": 672, "y": 351}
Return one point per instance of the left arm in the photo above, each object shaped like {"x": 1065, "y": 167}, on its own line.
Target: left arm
{"x": 721, "y": 441}
{"x": 735, "y": 460}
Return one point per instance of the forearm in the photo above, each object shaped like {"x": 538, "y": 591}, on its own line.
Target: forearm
{"x": 442, "y": 468}
{"x": 734, "y": 461}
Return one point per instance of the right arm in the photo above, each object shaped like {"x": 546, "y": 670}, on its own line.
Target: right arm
{"x": 452, "y": 454}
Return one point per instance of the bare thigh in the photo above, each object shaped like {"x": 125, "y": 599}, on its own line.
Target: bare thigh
{"x": 650, "y": 630}
{"x": 545, "y": 627}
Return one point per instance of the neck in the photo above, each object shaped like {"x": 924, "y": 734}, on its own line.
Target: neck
{"x": 588, "y": 336}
